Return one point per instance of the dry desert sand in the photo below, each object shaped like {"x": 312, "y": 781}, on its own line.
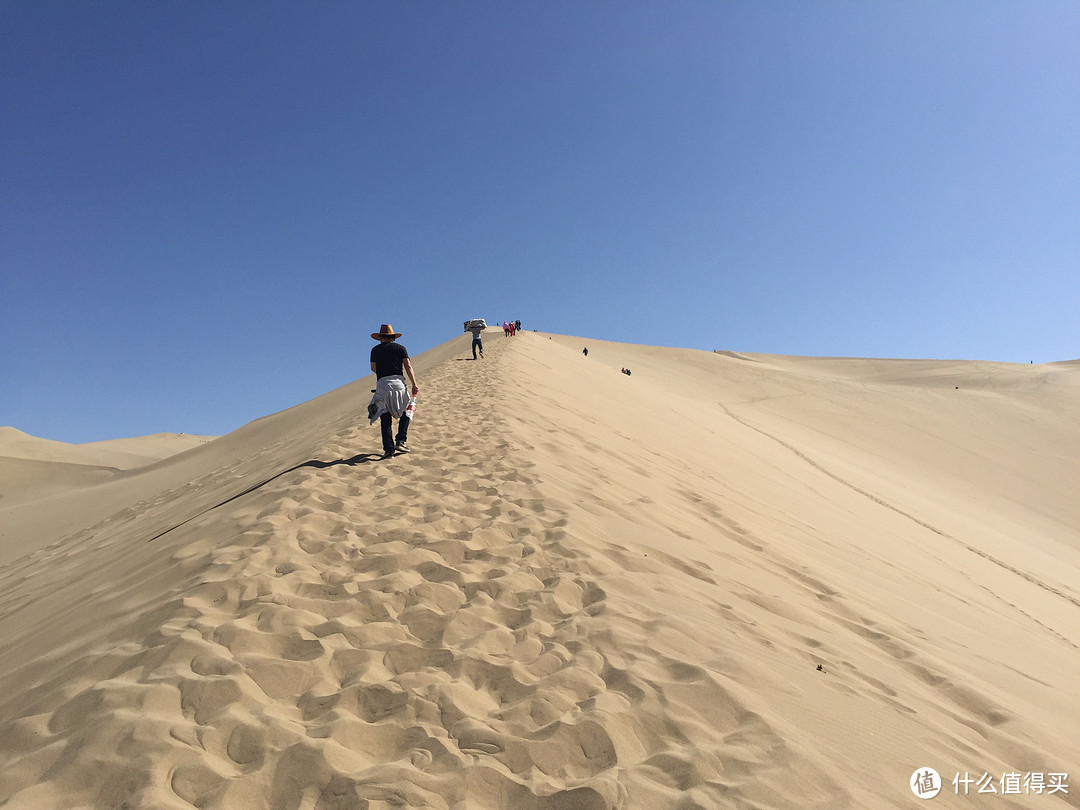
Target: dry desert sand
{"x": 724, "y": 581}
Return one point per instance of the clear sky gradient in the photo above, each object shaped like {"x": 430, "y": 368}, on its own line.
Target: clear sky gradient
{"x": 206, "y": 207}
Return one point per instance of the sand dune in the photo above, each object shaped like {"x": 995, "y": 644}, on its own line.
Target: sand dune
{"x": 724, "y": 581}
{"x": 120, "y": 453}
{"x": 50, "y": 488}
{"x": 33, "y": 468}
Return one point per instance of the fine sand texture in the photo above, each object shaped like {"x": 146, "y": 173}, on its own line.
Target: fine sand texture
{"x": 720, "y": 581}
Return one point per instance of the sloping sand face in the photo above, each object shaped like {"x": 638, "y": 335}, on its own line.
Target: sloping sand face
{"x": 49, "y": 489}
{"x": 720, "y": 581}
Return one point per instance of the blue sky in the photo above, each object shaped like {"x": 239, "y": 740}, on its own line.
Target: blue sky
{"x": 205, "y": 208}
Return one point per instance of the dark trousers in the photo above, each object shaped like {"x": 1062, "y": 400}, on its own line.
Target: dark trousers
{"x": 386, "y": 422}
{"x": 477, "y": 344}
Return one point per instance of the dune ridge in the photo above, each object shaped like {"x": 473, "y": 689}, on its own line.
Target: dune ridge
{"x": 780, "y": 582}
{"x": 119, "y": 453}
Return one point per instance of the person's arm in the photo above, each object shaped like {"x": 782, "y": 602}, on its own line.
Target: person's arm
{"x": 407, "y": 365}
{"x": 372, "y": 366}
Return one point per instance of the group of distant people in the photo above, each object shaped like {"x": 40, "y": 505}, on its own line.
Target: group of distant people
{"x": 510, "y": 328}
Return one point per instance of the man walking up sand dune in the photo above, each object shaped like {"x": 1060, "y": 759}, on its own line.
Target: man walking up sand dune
{"x": 477, "y": 339}
{"x": 388, "y": 360}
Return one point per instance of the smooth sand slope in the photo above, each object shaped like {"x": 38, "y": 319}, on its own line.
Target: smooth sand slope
{"x": 724, "y": 581}
{"x": 49, "y": 488}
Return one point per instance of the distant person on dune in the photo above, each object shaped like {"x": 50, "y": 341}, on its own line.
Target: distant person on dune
{"x": 388, "y": 361}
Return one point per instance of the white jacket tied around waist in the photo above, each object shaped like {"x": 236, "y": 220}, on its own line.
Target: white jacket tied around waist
{"x": 391, "y": 396}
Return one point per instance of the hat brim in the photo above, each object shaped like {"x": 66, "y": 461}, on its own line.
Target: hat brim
{"x": 378, "y": 335}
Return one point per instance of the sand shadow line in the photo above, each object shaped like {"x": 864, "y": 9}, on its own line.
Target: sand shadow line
{"x": 360, "y": 458}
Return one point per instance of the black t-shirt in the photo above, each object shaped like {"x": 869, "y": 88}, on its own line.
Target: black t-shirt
{"x": 389, "y": 359}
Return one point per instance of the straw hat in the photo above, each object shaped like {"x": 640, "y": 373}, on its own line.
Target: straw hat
{"x": 386, "y": 330}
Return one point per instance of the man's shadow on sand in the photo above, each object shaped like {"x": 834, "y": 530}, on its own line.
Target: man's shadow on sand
{"x": 361, "y": 458}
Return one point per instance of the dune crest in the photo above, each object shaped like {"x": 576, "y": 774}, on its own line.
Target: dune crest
{"x": 778, "y": 583}
{"x": 119, "y": 453}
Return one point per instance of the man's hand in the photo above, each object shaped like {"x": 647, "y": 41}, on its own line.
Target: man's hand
{"x": 407, "y": 365}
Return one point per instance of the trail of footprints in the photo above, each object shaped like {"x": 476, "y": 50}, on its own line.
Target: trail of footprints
{"x": 416, "y": 591}
{"x": 410, "y": 632}
{"x": 379, "y": 634}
